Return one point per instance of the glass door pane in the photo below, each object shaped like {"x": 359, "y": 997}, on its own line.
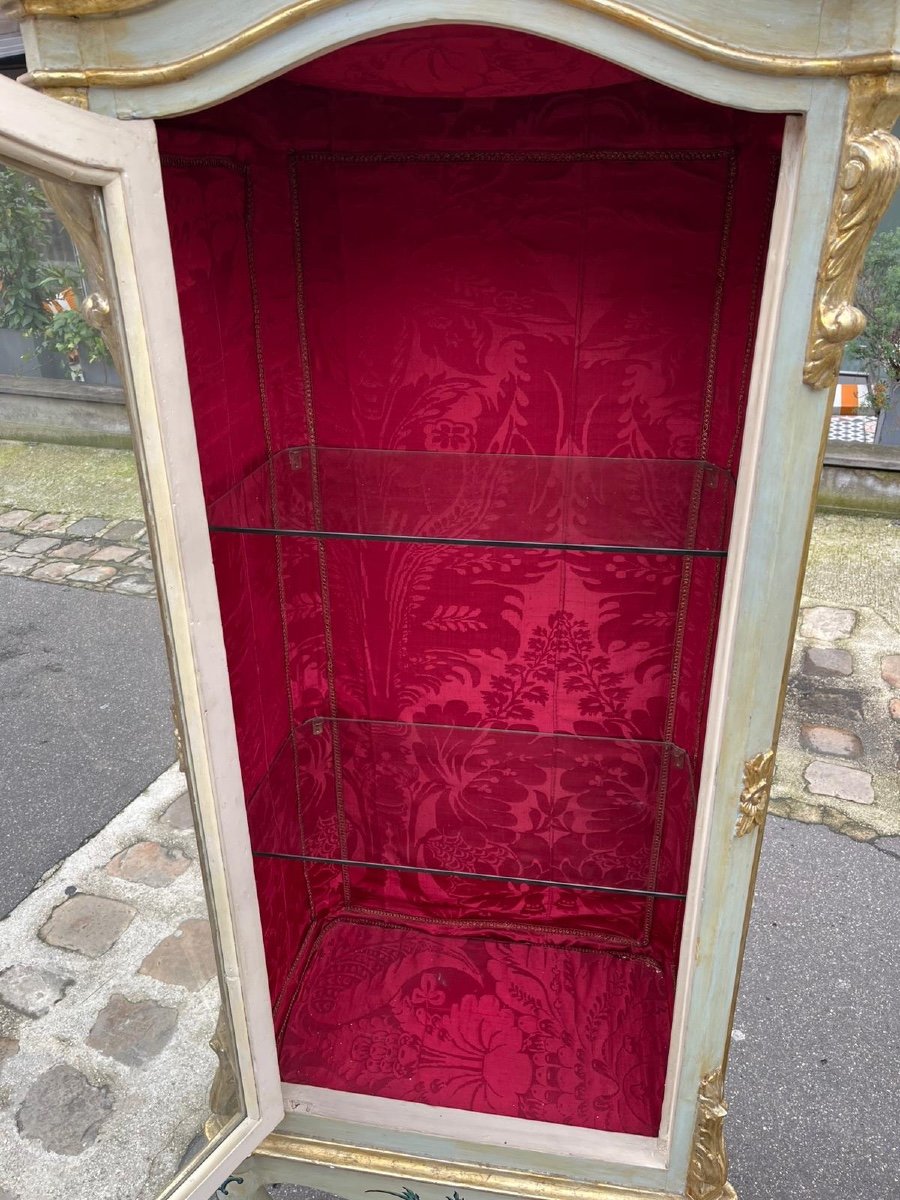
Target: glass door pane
{"x": 117, "y": 1048}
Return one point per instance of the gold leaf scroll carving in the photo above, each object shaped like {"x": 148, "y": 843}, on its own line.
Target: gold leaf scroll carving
{"x": 754, "y": 800}
{"x": 708, "y": 1169}
{"x": 867, "y": 178}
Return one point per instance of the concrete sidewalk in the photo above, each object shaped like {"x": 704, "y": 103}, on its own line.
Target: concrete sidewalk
{"x": 109, "y": 999}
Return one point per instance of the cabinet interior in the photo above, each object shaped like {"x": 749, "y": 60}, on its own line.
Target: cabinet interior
{"x": 469, "y": 319}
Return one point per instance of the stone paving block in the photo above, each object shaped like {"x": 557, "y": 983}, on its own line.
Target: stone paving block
{"x": 823, "y": 739}
{"x": 113, "y": 554}
{"x": 88, "y": 526}
{"x": 185, "y": 958}
{"x": 149, "y": 863}
{"x": 74, "y": 550}
{"x": 63, "y": 1111}
{"x": 125, "y": 531}
{"x": 15, "y": 517}
{"x": 838, "y": 703}
{"x": 179, "y": 815}
{"x": 93, "y": 575}
{"x": 88, "y": 924}
{"x": 32, "y": 990}
{"x": 9, "y": 1048}
{"x": 842, "y": 783}
{"x": 133, "y": 585}
{"x": 37, "y": 545}
{"x": 890, "y": 670}
{"x": 17, "y": 566}
{"x": 894, "y": 709}
{"x": 49, "y": 523}
{"x": 827, "y": 624}
{"x": 9, "y": 541}
{"x": 133, "y": 1032}
{"x": 826, "y": 662}
{"x": 53, "y": 572}
{"x": 145, "y": 561}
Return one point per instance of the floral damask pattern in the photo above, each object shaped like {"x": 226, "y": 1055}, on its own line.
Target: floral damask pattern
{"x": 534, "y": 1031}
{"x": 464, "y": 246}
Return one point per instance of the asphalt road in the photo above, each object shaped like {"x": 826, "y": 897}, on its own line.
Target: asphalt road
{"x": 84, "y": 720}
{"x": 814, "y": 1086}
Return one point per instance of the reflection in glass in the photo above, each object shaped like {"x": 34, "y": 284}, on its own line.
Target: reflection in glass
{"x": 115, "y": 1046}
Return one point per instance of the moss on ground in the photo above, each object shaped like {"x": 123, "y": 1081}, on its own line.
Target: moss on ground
{"x": 70, "y": 479}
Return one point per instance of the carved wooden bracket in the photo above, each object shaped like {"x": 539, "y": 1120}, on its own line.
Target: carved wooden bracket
{"x": 754, "y": 802}
{"x": 867, "y": 179}
{"x": 708, "y": 1169}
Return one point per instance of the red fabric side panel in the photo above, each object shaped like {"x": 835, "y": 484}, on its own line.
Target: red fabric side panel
{"x": 208, "y": 207}
{"x": 286, "y": 920}
{"x": 280, "y": 344}
{"x": 206, "y": 201}
{"x": 523, "y": 1030}
{"x": 753, "y": 197}
{"x": 247, "y": 580}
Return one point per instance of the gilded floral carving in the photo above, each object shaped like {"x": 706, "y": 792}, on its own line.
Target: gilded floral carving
{"x": 867, "y": 179}
{"x": 755, "y": 796}
{"x": 708, "y": 1169}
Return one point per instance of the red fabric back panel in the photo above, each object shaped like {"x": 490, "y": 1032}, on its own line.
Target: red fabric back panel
{"x": 467, "y": 241}
{"x": 459, "y": 60}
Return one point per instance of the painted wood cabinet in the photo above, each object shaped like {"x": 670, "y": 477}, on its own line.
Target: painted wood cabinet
{"x": 480, "y": 361}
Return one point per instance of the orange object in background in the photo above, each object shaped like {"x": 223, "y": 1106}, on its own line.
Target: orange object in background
{"x": 61, "y": 302}
{"x": 847, "y": 399}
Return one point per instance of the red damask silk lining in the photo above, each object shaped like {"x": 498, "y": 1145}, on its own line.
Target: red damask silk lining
{"x": 424, "y": 244}
{"x": 521, "y": 1029}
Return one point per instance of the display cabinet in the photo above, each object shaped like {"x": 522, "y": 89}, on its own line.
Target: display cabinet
{"x": 480, "y": 360}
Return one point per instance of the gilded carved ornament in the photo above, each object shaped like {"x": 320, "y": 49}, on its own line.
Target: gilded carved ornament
{"x": 80, "y": 8}
{"x": 867, "y": 179}
{"x": 708, "y": 1169}
{"x": 620, "y": 12}
{"x": 77, "y": 97}
{"x": 754, "y": 799}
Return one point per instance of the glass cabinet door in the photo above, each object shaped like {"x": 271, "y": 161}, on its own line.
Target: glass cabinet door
{"x": 219, "y": 1096}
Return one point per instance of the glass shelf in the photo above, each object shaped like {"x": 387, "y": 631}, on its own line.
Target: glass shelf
{"x": 621, "y": 505}
{"x": 465, "y": 806}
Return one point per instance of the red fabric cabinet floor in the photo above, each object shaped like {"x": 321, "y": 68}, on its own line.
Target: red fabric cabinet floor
{"x": 469, "y": 320}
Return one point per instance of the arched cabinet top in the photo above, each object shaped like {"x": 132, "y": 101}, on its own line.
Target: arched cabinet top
{"x": 151, "y": 58}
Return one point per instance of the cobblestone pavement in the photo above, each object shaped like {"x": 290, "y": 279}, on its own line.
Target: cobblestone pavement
{"x": 840, "y": 743}
{"x": 82, "y": 551}
{"x": 108, "y": 999}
